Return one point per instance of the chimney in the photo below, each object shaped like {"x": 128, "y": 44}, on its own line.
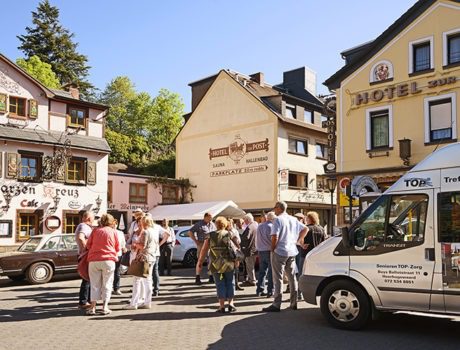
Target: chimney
{"x": 73, "y": 89}
{"x": 302, "y": 77}
{"x": 258, "y": 78}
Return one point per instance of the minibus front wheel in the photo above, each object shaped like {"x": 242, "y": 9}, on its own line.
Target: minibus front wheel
{"x": 345, "y": 305}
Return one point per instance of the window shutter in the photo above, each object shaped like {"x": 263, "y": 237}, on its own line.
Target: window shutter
{"x": 13, "y": 160}
{"x": 90, "y": 172}
{"x": 441, "y": 116}
{"x": 3, "y": 100}
{"x": 33, "y": 109}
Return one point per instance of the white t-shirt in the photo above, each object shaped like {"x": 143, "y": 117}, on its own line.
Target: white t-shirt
{"x": 84, "y": 229}
{"x": 121, "y": 239}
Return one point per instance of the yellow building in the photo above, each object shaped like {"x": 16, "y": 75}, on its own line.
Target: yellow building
{"x": 254, "y": 143}
{"x": 401, "y": 86}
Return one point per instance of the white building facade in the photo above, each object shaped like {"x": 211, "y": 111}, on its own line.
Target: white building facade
{"x": 53, "y": 157}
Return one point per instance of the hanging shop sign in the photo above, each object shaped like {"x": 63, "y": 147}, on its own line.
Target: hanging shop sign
{"x": 74, "y": 205}
{"x": 399, "y": 90}
{"x": 330, "y": 125}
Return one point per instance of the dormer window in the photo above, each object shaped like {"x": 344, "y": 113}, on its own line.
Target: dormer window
{"x": 77, "y": 117}
{"x": 17, "y": 106}
{"x": 290, "y": 111}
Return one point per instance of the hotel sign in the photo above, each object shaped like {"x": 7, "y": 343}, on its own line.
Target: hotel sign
{"x": 238, "y": 149}
{"x": 399, "y": 90}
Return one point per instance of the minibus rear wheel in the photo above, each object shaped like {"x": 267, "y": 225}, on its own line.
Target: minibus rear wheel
{"x": 345, "y": 305}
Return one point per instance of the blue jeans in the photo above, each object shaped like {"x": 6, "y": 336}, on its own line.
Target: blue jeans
{"x": 85, "y": 292}
{"x": 156, "y": 275}
{"x": 265, "y": 269}
{"x": 225, "y": 285}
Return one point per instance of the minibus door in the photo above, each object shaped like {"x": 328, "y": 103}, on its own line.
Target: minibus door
{"x": 391, "y": 241}
{"x": 449, "y": 239}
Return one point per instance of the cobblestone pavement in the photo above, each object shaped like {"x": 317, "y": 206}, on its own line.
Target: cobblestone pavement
{"x": 183, "y": 317}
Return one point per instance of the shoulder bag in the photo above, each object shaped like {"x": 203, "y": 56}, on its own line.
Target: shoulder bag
{"x": 139, "y": 267}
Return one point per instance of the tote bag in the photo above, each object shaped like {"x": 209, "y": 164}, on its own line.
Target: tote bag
{"x": 83, "y": 265}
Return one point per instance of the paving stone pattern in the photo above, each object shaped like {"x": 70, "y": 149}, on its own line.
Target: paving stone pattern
{"x": 184, "y": 317}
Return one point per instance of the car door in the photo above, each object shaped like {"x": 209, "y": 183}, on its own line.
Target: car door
{"x": 391, "y": 241}
{"x": 449, "y": 241}
{"x": 68, "y": 253}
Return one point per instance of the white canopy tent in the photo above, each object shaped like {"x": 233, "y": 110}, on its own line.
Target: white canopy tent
{"x": 196, "y": 211}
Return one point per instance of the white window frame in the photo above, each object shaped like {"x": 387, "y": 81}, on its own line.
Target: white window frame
{"x": 429, "y": 39}
{"x": 445, "y": 42}
{"x": 426, "y": 103}
{"x": 369, "y": 111}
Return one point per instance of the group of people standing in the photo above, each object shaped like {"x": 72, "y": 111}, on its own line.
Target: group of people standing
{"x": 105, "y": 245}
{"x": 281, "y": 242}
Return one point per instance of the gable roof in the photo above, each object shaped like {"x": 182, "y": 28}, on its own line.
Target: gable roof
{"x": 366, "y": 51}
{"x": 52, "y": 93}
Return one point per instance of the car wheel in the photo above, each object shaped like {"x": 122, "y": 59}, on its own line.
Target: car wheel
{"x": 17, "y": 278}
{"x": 190, "y": 258}
{"x": 40, "y": 272}
{"x": 345, "y": 305}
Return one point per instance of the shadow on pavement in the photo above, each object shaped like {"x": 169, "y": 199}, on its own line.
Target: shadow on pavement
{"x": 293, "y": 331}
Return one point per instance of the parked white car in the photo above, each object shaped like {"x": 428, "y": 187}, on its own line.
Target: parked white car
{"x": 185, "y": 248}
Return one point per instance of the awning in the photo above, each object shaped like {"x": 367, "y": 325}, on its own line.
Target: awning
{"x": 196, "y": 211}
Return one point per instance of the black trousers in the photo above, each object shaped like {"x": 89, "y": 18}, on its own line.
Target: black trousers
{"x": 84, "y": 295}
{"x": 116, "y": 275}
{"x": 166, "y": 251}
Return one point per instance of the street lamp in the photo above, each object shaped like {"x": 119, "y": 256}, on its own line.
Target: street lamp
{"x": 331, "y": 183}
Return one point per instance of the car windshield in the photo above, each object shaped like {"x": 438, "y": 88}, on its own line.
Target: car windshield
{"x": 30, "y": 245}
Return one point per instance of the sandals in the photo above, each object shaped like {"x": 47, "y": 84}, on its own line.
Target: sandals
{"x": 106, "y": 312}
{"x": 90, "y": 312}
{"x": 221, "y": 310}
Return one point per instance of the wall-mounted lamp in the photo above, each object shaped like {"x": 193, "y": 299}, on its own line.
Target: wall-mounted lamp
{"x": 98, "y": 204}
{"x": 8, "y": 196}
{"x": 405, "y": 151}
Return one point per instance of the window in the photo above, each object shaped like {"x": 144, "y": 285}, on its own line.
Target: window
{"x": 308, "y": 116}
{"x": 28, "y": 225}
{"x": 449, "y": 217}
{"x": 298, "y": 146}
{"x": 440, "y": 118}
{"x": 298, "y": 180}
{"x": 71, "y": 221}
{"x": 323, "y": 119}
{"x": 138, "y": 193}
{"x": 75, "y": 171}
{"x": 54, "y": 243}
{"x": 392, "y": 219}
{"x": 321, "y": 151}
{"x": 109, "y": 191}
{"x": 379, "y": 129}
{"x": 290, "y": 111}
{"x": 30, "y": 167}
{"x": 320, "y": 183}
{"x": 77, "y": 117}
{"x": 421, "y": 55}
{"x": 453, "y": 49}
{"x": 18, "y": 106}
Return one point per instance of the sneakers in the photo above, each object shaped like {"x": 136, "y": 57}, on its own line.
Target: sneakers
{"x": 106, "y": 312}
{"x": 117, "y": 292}
{"x": 130, "y": 307}
{"x": 271, "y": 308}
{"x": 145, "y": 306}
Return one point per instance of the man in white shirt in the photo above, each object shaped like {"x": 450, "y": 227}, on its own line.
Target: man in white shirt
{"x": 287, "y": 233}
{"x": 82, "y": 233}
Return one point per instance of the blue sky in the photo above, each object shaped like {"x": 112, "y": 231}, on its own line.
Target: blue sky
{"x": 168, "y": 44}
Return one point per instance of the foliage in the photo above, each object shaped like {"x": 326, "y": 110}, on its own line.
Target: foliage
{"x": 128, "y": 150}
{"x": 184, "y": 184}
{"x": 40, "y": 70}
{"x": 137, "y": 116}
{"x": 53, "y": 44}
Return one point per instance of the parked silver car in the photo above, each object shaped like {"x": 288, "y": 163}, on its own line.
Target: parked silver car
{"x": 185, "y": 248}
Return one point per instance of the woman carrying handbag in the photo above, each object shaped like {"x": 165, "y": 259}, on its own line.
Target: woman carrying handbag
{"x": 147, "y": 250}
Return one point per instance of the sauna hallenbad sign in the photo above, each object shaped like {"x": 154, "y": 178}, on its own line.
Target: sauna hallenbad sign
{"x": 241, "y": 156}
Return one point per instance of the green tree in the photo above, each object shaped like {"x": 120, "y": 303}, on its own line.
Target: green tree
{"x": 54, "y": 44}
{"x": 149, "y": 124}
{"x": 39, "y": 70}
{"x": 117, "y": 95}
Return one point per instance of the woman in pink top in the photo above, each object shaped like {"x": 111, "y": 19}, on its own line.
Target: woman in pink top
{"x": 102, "y": 248}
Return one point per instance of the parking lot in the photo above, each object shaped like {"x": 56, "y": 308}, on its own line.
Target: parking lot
{"x": 183, "y": 317}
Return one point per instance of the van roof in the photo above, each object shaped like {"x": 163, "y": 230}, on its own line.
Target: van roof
{"x": 446, "y": 157}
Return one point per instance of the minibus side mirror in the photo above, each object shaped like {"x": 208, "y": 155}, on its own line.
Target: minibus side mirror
{"x": 345, "y": 237}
